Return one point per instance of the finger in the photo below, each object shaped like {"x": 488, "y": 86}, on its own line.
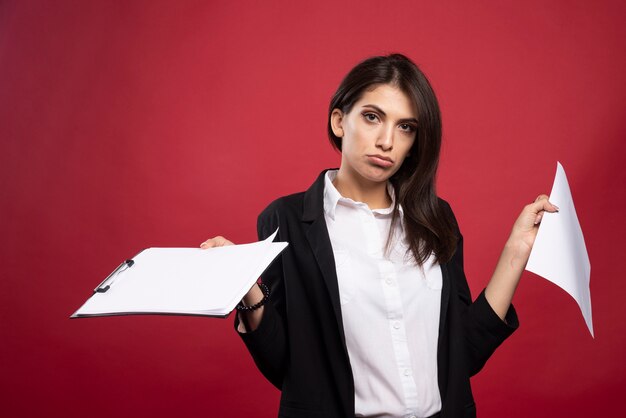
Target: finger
{"x": 543, "y": 204}
{"x": 207, "y": 244}
{"x": 210, "y": 243}
{"x": 218, "y": 241}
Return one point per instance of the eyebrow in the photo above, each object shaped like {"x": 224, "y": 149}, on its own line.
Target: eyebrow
{"x": 382, "y": 112}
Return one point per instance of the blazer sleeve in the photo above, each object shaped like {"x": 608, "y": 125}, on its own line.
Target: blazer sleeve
{"x": 484, "y": 331}
{"x": 267, "y": 344}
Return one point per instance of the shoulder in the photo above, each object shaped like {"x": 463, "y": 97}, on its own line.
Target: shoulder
{"x": 290, "y": 204}
{"x": 443, "y": 204}
{"x": 280, "y": 212}
{"x": 446, "y": 209}
{"x": 448, "y": 215}
{"x": 293, "y": 205}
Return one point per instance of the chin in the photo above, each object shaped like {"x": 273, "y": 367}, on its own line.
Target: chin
{"x": 377, "y": 174}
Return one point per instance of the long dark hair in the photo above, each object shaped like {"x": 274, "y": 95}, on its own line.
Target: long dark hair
{"x": 429, "y": 226}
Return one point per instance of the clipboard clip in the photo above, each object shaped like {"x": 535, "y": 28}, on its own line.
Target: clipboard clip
{"x": 108, "y": 282}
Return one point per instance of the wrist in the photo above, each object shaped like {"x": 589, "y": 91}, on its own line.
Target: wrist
{"x": 254, "y": 296}
{"x": 245, "y": 306}
{"x": 516, "y": 251}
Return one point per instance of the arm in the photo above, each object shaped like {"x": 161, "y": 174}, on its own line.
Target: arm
{"x": 265, "y": 335}
{"x": 267, "y": 338}
{"x": 508, "y": 271}
{"x": 491, "y": 318}
{"x": 482, "y": 330}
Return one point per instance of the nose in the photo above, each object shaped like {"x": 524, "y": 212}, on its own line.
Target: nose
{"x": 385, "y": 139}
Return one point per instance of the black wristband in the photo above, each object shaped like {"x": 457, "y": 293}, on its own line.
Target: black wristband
{"x": 266, "y": 294}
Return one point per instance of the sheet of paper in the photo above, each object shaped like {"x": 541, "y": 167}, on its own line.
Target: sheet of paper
{"x": 185, "y": 280}
{"x": 559, "y": 253}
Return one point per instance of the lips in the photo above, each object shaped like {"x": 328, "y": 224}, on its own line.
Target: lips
{"x": 380, "y": 160}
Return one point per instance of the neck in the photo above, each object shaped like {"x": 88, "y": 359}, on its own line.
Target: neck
{"x": 355, "y": 187}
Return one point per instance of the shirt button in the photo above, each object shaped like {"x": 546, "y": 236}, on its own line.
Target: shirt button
{"x": 396, "y": 325}
{"x": 407, "y": 372}
{"x": 412, "y": 416}
{"x": 389, "y": 281}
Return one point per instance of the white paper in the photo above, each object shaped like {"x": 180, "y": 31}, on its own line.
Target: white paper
{"x": 185, "y": 280}
{"x": 559, "y": 253}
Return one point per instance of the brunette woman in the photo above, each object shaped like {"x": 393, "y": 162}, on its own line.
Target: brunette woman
{"x": 367, "y": 312}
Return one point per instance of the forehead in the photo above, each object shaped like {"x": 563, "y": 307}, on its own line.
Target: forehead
{"x": 391, "y": 99}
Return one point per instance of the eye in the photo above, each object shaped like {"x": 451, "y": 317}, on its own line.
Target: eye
{"x": 370, "y": 117}
{"x": 407, "y": 127}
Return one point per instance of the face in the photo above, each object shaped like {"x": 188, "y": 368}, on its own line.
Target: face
{"x": 377, "y": 134}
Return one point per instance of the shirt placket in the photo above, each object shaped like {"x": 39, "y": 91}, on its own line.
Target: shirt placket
{"x": 395, "y": 313}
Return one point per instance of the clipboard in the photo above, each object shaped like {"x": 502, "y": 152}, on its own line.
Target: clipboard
{"x": 182, "y": 281}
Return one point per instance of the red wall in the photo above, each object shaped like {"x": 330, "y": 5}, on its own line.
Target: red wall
{"x": 132, "y": 124}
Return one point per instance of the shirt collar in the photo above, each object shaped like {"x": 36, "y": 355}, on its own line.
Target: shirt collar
{"x": 332, "y": 197}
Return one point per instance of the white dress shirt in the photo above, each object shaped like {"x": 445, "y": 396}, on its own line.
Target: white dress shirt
{"x": 390, "y": 309}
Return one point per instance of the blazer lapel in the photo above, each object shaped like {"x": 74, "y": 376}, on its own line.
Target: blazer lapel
{"x": 317, "y": 235}
{"x": 319, "y": 240}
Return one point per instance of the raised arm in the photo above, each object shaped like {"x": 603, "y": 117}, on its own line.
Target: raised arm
{"x": 506, "y": 276}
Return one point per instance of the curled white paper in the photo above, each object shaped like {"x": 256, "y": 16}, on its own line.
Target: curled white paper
{"x": 559, "y": 253}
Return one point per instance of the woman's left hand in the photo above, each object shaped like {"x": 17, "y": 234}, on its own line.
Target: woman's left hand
{"x": 501, "y": 287}
{"x": 526, "y": 226}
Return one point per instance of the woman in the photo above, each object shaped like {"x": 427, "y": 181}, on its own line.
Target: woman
{"x": 367, "y": 312}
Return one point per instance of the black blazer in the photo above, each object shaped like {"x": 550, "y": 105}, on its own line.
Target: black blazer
{"x": 299, "y": 346}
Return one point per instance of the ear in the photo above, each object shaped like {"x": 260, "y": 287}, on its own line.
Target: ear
{"x": 336, "y": 120}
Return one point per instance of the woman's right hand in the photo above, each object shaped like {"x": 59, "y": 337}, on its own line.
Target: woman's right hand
{"x": 217, "y": 241}
{"x": 254, "y": 295}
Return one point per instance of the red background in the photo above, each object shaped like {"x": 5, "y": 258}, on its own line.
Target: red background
{"x": 132, "y": 124}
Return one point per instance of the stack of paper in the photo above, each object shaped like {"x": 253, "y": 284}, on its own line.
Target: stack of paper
{"x": 183, "y": 281}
